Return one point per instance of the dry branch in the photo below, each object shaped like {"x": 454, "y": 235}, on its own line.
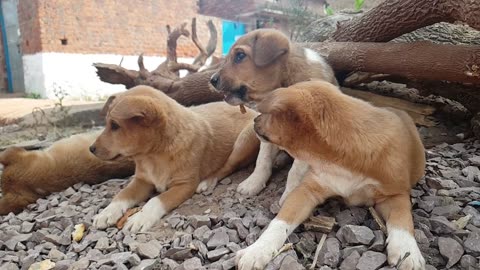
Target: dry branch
{"x": 204, "y": 53}
{"x": 418, "y": 60}
{"x": 319, "y": 224}
{"x": 393, "y": 18}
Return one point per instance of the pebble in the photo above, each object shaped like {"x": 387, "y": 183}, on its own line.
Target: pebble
{"x": 371, "y": 260}
{"x": 450, "y": 249}
{"x": 353, "y": 234}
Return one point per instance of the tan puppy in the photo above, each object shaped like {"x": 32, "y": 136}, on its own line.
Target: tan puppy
{"x": 30, "y": 175}
{"x": 174, "y": 149}
{"x": 258, "y": 63}
{"x": 364, "y": 154}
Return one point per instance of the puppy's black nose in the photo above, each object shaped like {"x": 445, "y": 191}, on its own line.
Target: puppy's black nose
{"x": 215, "y": 79}
{"x": 93, "y": 149}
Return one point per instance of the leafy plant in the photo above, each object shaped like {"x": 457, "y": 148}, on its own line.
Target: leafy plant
{"x": 34, "y": 95}
{"x": 359, "y": 4}
{"x": 328, "y": 10}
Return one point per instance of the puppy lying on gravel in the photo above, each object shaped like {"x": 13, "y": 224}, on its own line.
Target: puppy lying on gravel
{"x": 30, "y": 175}
{"x": 364, "y": 154}
{"x": 174, "y": 149}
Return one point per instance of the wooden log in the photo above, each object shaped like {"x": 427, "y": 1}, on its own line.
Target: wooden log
{"x": 418, "y": 60}
{"x": 319, "y": 224}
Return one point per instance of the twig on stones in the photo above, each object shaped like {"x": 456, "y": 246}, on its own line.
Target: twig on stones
{"x": 378, "y": 219}
{"x": 317, "y": 251}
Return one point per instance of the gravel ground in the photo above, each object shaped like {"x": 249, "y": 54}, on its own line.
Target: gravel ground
{"x": 205, "y": 231}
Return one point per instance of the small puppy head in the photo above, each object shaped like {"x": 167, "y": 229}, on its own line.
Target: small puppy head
{"x": 132, "y": 122}
{"x": 282, "y": 120}
{"x": 11, "y": 155}
{"x": 253, "y": 67}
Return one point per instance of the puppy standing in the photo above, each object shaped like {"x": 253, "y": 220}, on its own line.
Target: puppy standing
{"x": 258, "y": 63}
{"x": 173, "y": 147}
{"x": 364, "y": 154}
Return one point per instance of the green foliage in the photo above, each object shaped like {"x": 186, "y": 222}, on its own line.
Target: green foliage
{"x": 34, "y": 95}
{"x": 328, "y": 11}
{"x": 359, "y": 4}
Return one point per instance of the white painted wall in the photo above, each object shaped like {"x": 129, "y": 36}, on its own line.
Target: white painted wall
{"x": 74, "y": 73}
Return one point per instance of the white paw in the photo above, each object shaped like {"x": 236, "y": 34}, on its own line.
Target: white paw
{"x": 254, "y": 257}
{"x": 146, "y": 218}
{"x": 253, "y": 184}
{"x": 110, "y": 215}
{"x": 401, "y": 243}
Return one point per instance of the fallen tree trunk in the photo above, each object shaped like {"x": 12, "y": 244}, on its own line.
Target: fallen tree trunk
{"x": 419, "y": 60}
{"x": 394, "y": 18}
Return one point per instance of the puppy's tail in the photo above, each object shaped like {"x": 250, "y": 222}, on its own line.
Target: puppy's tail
{"x": 10, "y": 155}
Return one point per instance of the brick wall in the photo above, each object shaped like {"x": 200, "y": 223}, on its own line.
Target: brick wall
{"x": 121, "y": 27}
{"x": 228, "y": 9}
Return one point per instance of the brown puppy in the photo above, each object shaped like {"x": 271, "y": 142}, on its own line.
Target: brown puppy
{"x": 174, "y": 149}
{"x": 30, "y": 175}
{"x": 258, "y": 63}
{"x": 364, "y": 154}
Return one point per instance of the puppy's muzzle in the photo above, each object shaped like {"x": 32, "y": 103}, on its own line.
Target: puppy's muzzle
{"x": 93, "y": 149}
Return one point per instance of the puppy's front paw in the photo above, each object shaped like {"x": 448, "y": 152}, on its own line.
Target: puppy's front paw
{"x": 254, "y": 257}
{"x": 403, "y": 251}
{"x": 252, "y": 185}
{"x": 206, "y": 185}
{"x": 109, "y": 216}
{"x": 150, "y": 214}
{"x": 140, "y": 222}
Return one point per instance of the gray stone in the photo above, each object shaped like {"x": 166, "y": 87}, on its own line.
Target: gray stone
{"x": 238, "y": 225}
{"x": 27, "y": 227}
{"x": 330, "y": 253}
{"x": 471, "y": 172}
{"x": 438, "y": 183}
{"x": 149, "y": 250}
{"x": 448, "y": 211}
{"x": 229, "y": 264}
{"x": 179, "y": 254}
{"x": 261, "y": 219}
{"x": 198, "y": 233}
{"x": 441, "y": 225}
{"x": 191, "y": 264}
{"x": 14, "y": 240}
{"x": 379, "y": 242}
{"x": 216, "y": 254}
{"x": 102, "y": 243}
{"x": 472, "y": 243}
{"x": 9, "y": 266}
{"x": 64, "y": 239}
{"x": 349, "y": 250}
{"x": 475, "y": 160}
{"x": 350, "y": 262}
{"x": 450, "y": 249}
{"x": 371, "y": 260}
{"x": 421, "y": 238}
{"x": 169, "y": 263}
{"x": 81, "y": 264}
{"x": 306, "y": 246}
{"x": 148, "y": 264}
{"x": 353, "y": 234}
{"x": 290, "y": 263}
{"x": 201, "y": 247}
{"x": 199, "y": 221}
{"x": 63, "y": 265}
{"x": 56, "y": 255}
{"x": 468, "y": 262}
{"x": 219, "y": 238}
{"x": 426, "y": 205}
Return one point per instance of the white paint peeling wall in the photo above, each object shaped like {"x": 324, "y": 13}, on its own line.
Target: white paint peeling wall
{"x": 75, "y": 74}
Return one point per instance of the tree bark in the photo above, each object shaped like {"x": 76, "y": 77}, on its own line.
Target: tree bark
{"x": 419, "y": 60}
{"x": 394, "y": 18}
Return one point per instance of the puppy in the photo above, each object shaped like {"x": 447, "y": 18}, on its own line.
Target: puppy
{"x": 30, "y": 175}
{"x": 174, "y": 149}
{"x": 364, "y": 154}
{"x": 258, "y": 63}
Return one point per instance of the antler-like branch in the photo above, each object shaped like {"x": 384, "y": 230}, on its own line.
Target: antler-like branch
{"x": 204, "y": 53}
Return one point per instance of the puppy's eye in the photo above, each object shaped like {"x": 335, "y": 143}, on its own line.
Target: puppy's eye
{"x": 239, "y": 56}
{"x": 114, "y": 126}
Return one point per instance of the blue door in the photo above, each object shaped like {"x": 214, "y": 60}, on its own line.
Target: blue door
{"x": 231, "y": 32}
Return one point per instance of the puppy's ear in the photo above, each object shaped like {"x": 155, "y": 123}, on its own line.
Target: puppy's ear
{"x": 107, "y": 106}
{"x": 139, "y": 108}
{"x": 269, "y": 46}
{"x": 10, "y": 155}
